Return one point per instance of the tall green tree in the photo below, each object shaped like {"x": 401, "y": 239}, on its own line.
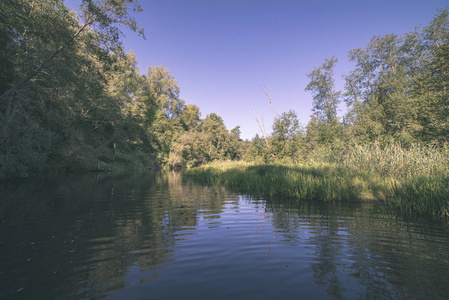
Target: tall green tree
{"x": 52, "y": 69}
{"x": 397, "y": 89}
{"x": 286, "y": 136}
{"x": 437, "y": 41}
{"x": 326, "y": 99}
{"x": 162, "y": 109}
{"x": 190, "y": 117}
{"x": 162, "y": 90}
{"x": 215, "y": 129}
{"x": 380, "y": 89}
{"x": 28, "y": 19}
{"x": 322, "y": 86}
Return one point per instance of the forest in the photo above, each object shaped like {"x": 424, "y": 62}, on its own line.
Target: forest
{"x": 72, "y": 99}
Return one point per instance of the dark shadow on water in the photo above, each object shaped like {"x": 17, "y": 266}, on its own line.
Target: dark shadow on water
{"x": 115, "y": 235}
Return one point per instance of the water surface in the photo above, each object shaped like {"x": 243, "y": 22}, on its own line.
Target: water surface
{"x": 157, "y": 236}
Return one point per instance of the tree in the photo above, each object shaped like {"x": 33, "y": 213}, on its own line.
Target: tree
{"x": 257, "y": 150}
{"x": 437, "y": 42}
{"x": 234, "y": 147}
{"x": 325, "y": 101}
{"x": 53, "y": 80}
{"x": 388, "y": 91}
{"x": 161, "y": 89}
{"x": 322, "y": 87}
{"x": 189, "y": 150}
{"x": 213, "y": 126}
{"x": 160, "y": 109}
{"x": 286, "y": 135}
{"x": 190, "y": 117}
{"x": 236, "y": 132}
{"x": 98, "y": 16}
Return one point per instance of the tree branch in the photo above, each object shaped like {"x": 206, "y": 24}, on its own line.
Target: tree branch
{"x": 44, "y": 64}
{"x": 264, "y": 134}
{"x": 271, "y": 102}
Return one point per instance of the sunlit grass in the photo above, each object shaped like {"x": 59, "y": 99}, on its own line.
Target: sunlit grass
{"x": 392, "y": 160}
{"x": 325, "y": 182}
{"x": 413, "y": 180}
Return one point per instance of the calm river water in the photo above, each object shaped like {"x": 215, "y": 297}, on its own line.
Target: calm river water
{"x": 158, "y": 236}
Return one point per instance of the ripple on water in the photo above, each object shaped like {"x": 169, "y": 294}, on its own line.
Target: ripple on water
{"x": 139, "y": 237}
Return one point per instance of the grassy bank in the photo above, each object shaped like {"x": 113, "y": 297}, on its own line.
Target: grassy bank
{"x": 414, "y": 180}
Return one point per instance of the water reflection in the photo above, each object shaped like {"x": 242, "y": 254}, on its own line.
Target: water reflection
{"x": 145, "y": 235}
{"x": 361, "y": 250}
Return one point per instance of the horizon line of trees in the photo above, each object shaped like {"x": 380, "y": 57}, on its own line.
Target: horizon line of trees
{"x": 398, "y": 92}
{"x": 71, "y": 98}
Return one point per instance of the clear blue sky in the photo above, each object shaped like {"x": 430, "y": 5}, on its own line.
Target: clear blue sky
{"x": 222, "y": 52}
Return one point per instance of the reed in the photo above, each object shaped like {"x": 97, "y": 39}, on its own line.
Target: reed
{"x": 324, "y": 182}
{"x": 422, "y": 194}
{"x": 392, "y": 159}
{"x": 412, "y": 180}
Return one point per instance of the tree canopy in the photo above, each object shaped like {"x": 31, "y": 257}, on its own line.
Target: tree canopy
{"x": 397, "y": 92}
{"x": 71, "y": 98}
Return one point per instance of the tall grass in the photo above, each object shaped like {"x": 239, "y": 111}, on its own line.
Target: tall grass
{"x": 323, "y": 182}
{"x": 392, "y": 160}
{"x": 415, "y": 179}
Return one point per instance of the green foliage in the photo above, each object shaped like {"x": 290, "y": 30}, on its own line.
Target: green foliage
{"x": 423, "y": 194}
{"x": 55, "y": 100}
{"x": 206, "y": 142}
{"x": 72, "y": 99}
{"x": 161, "y": 89}
{"x": 190, "y": 117}
{"x": 303, "y": 182}
{"x": 322, "y": 87}
{"x": 396, "y": 93}
{"x": 412, "y": 180}
{"x": 391, "y": 160}
{"x": 397, "y": 88}
{"x": 286, "y": 135}
{"x": 257, "y": 151}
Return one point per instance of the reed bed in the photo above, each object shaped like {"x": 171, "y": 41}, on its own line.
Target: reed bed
{"x": 324, "y": 182}
{"x": 413, "y": 180}
{"x": 392, "y": 160}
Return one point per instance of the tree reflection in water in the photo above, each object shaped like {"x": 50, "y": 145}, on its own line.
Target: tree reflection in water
{"x": 94, "y": 236}
{"x": 367, "y": 250}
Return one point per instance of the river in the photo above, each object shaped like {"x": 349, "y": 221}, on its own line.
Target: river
{"x": 159, "y": 236}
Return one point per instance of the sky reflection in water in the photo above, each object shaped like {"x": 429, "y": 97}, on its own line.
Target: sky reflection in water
{"x": 157, "y": 236}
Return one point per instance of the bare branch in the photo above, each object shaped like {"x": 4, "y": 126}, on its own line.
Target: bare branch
{"x": 264, "y": 133}
{"x": 271, "y": 102}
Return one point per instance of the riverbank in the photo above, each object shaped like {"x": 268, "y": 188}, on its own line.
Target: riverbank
{"x": 422, "y": 194}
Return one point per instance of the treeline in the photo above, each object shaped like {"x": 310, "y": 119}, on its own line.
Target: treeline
{"x": 398, "y": 93}
{"x": 72, "y": 99}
